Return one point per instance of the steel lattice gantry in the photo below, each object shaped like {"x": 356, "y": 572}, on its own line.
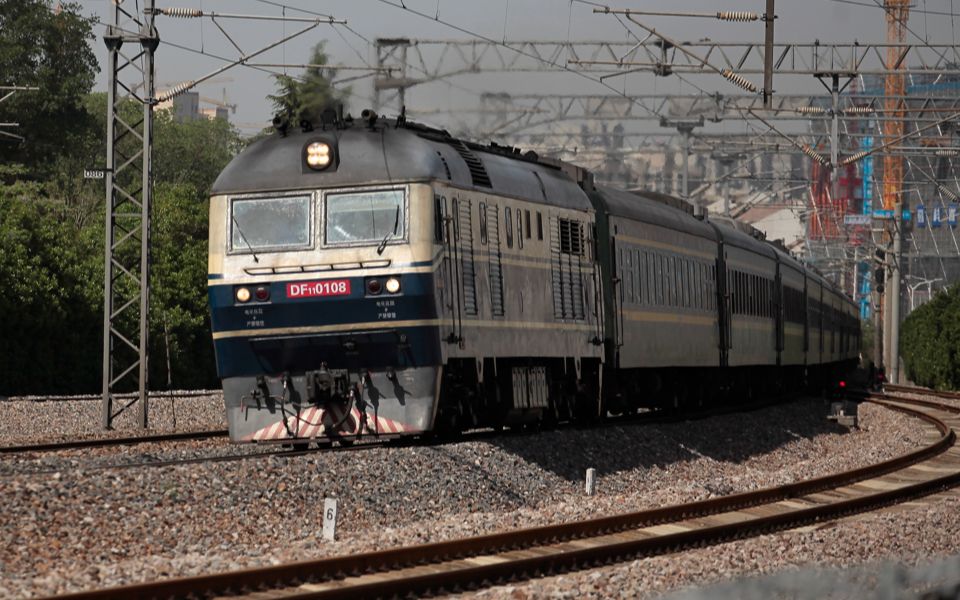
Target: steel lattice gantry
{"x": 418, "y": 61}
{"x": 131, "y": 41}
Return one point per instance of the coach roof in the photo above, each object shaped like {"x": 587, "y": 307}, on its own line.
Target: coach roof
{"x": 386, "y": 154}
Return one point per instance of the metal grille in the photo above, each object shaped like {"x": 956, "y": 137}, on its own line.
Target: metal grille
{"x": 496, "y": 262}
{"x": 566, "y": 269}
{"x": 478, "y": 173}
{"x": 465, "y": 234}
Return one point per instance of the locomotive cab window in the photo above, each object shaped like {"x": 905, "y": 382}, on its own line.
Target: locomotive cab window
{"x": 367, "y": 217}
{"x": 264, "y": 224}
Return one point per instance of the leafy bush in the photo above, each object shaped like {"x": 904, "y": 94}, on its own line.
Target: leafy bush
{"x": 930, "y": 342}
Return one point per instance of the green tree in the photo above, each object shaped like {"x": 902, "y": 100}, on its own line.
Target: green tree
{"x": 192, "y": 153}
{"x": 930, "y": 342}
{"x": 179, "y": 321}
{"x": 50, "y": 330}
{"x": 48, "y": 49}
{"x": 308, "y": 96}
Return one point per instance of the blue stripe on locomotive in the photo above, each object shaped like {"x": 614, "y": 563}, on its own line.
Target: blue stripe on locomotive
{"x": 379, "y": 345}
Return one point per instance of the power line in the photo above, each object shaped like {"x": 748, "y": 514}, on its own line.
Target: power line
{"x": 508, "y": 47}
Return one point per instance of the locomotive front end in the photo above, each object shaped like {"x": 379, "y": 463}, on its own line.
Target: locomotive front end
{"x": 321, "y": 292}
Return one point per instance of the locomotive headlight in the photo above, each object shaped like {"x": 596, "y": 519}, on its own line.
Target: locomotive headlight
{"x": 393, "y": 285}
{"x": 243, "y": 294}
{"x": 318, "y": 155}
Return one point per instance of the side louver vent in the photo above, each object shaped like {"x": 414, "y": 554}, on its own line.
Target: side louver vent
{"x": 478, "y": 173}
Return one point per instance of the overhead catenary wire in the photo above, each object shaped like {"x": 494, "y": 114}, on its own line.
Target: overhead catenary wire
{"x": 563, "y": 67}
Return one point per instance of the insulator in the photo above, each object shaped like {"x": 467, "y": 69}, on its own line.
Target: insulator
{"x": 858, "y": 110}
{"x": 947, "y": 193}
{"x": 947, "y": 152}
{"x": 175, "y": 91}
{"x": 739, "y": 80}
{"x": 810, "y": 110}
{"x": 183, "y": 13}
{"x": 737, "y": 15}
{"x": 813, "y": 154}
{"x": 854, "y": 157}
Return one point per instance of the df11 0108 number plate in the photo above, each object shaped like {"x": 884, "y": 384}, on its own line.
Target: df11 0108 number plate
{"x": 313, "y": 289}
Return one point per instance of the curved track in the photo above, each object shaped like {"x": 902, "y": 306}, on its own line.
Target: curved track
{"x": 485, "y": 560}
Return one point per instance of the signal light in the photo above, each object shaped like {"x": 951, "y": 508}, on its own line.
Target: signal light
{"x": 374, "y": 286}
{"x": 242, "y": 294}
{"x": 262, "y": 293}
{"x": 843, "y": 384}
{"x": 393, "y": 285}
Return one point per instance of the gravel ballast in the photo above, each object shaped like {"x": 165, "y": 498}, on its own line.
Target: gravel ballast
{"x": 71, "y": 529}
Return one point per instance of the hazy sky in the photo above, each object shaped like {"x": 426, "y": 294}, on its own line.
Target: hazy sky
{"x": 351, "y": 45}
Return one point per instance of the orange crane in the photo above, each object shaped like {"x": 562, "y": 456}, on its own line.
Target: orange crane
{"x": 894, "y": 87}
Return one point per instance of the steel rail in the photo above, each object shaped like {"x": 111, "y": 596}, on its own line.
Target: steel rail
{"x": 115, "y": 441}
{"x": 921, "y": 390}
{"x": 570, "y": 546}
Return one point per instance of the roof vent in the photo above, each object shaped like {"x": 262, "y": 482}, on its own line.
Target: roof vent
{"x": 478, "y": 173}
{"x": 446, "y": 167}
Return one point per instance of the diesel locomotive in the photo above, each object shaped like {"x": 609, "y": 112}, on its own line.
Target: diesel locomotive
{"x": 379, "y": 277}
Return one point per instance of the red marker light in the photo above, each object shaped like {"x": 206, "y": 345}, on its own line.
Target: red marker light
{"x": 843, "y": 384}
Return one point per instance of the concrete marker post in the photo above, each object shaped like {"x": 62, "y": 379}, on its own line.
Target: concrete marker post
{"x": 330, "y": 519}
{"x": 591, "y": 481}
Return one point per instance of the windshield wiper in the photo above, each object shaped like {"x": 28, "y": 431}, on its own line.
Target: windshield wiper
{"x": 244, "y": 238}
{"x": 396, "y": 225}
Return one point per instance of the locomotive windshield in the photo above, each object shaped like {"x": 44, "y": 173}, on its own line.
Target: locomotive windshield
{"x": 281, "y": 223}
{"x": 364, "y": 217}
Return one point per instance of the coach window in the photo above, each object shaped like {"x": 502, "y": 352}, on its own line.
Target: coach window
{"x": 508, "y": 217}
{"x": 654, "y": 279}
{"x": 702, "y": 285}
{"x": 647, "y": 278}
{"x": 519, "y": 229}
{"x": 438, "y": 218}
{"x": 539, "y": 226}
{"x": 683, "y": 296}
{"x": 483, "y": 223}
{"x": 638, "y": 273}
{"x": 526, "y": 223}
{"x": 672, "y": 280}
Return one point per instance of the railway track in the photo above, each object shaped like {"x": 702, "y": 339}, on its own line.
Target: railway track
{"x": 113, "y": 441}
{"x": 909, "y": 389}
{"x": 297, "y": 449}
{"x": 486, "y": 560}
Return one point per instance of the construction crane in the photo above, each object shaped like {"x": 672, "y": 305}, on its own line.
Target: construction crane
{"x": 894, "y": 87}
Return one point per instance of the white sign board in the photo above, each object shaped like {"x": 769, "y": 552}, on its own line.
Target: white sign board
{"x": 856, "y": 219}
{"x": 92, "y": 174}
{"x": 330, "y": 519}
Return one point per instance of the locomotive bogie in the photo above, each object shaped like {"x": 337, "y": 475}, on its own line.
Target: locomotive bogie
{"x": 382, "y": 403}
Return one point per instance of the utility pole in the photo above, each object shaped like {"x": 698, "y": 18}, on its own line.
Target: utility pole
{"x": 126, "y": 281}
{"x": 768, "y": 17}
{"x": 894, "y": 87}
{"x": 894, "y": 294}
{"x": 686, "y": 128}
